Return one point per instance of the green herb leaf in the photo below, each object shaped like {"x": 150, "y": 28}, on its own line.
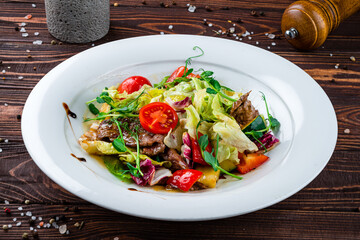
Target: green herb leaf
{"x": 206, "y": 74}
{"x": 133, "y": 170}
{"x": 188, "y": 72}
{"x": 215, "y": 84}
{"x": 104, "y": 93}
{"x": 161, "y": 84}
{"x": 93, "y": 109}
{"x": 275, "y": 124}
{"x": 203, "y": 142}
{"x": 119, "y": 145}
{"x": 210, "y": 159}
{"x": 211, "y": 91}
{"x": 100, "y": 100}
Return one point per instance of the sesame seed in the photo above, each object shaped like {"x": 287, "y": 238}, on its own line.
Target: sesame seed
{"x": 352, "y": 58}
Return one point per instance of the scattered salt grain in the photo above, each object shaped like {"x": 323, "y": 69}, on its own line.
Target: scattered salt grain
{"x": 63, "y": 229}
{"x": 337, "y": 66}
{"x": 36, "y": 33}
{"x": 6, "y": 141}
{"x": 67, "y": 232}
{"x": 93, "y": 44}
{"x": 20, "y": 208}
{"x": 347, "y": 131}
{"x": 22, "y": 214}
{"x": 6, "y": 104}
{"x": 14, "y": 219}
{"x": 57, "y": 218}
{"x": 33, "y": 5}
{"x": 20, "y": 77}
{"x": 271, "y": 36}
{"x": 257, "y": 43}
{"x": 31, "y": 228}
{"x": 234, "y": 35}
{"x": 331, "y": 54}
{"x": 162, "y": 33}
{"x": 27, "y": 50}
{"x": 191, "y": 8}
{"x": 266, "y": 34}
{"x": 18, "y": 224}
{"x": 116, "y": 238}
{"x": 9, "y": 226}
{"x": 237, "y": 38}
{"x": 28, "y": 213}
{"x": 245, "y": 34}
{"x": 232, "y": 30}
{"x": 3, "y": 71}
{"x": 54, "y": 224}
{"x": 1, "y": 150}
{"x": 33, "y": 218}
{"x": 240, "y": 39}
{"x": 40, "y": 218}
{"x": 6, "y": 201}
{"x": 22, "y": 24}
{"x": 188, "y": 4}
{"x": 24, "y": 34}
{"x": 249, "y": 38}
{"x": 37, "y": 42}
{"x": 268, "y": 47}
{"x": 171, "y": 27}
{"x": 210, "y": 25}
{"x": 38, "y": 226}
{"x": 273, "y": 43}
{"x": 29, "y": 16}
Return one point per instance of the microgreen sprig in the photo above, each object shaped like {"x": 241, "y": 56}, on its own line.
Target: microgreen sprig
{"x": 215, "y": 86}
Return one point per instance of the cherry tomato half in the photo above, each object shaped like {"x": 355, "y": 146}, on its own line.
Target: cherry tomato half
{"x": 179, "y": 72}
{"x": 158, "y": 118}
{"x": 133, "y": 84}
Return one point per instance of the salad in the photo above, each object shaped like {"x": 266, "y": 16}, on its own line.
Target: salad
{"x": 185, "y": 132}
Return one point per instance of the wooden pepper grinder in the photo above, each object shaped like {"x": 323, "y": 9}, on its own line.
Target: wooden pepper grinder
{"x": 307, "y": 23}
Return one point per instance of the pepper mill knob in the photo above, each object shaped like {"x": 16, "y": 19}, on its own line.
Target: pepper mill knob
{"x": 306, "y": 24}
{"x": 291, "y": 33}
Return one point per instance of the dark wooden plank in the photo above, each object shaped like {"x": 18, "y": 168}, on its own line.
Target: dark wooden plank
{"x": 326, "y": 209}
{"x": 264, "y": 224}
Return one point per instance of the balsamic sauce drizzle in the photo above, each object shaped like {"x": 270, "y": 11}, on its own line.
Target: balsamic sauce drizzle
{"x": 81, "y": 159}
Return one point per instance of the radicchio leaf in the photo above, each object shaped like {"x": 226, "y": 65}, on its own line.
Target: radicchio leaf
{"x": 160, "y": 174}
{"x": 180, "y": 105}
{"x": 268, "y": 140}
{"x": 148, "y": 169}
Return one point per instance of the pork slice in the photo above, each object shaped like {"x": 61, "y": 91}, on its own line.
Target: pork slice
{"x": 243, "y": 111}
{"x": 177, "y": 162}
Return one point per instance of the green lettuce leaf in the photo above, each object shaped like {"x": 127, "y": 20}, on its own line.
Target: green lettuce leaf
{"x": 127, "y": 157}
{"x": 117, "y": 168}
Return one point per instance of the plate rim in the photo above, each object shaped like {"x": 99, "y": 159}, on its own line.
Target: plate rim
{"x": 26, "y": 137}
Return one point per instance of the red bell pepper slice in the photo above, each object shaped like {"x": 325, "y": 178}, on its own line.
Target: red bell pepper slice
{"x": 179, "y": 72}
{"x": 184, "y": 179}
{"x": 250, "y": 161}
{"x": 196, "y": 151}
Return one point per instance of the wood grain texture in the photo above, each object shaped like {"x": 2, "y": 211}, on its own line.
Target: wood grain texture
{"x": 328, "y": 208}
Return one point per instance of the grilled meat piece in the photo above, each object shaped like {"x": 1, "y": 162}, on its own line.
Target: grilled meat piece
{"x": 151, "y": 144}
{"x": 176, "y": 160}
{"x": 243, "y": 111}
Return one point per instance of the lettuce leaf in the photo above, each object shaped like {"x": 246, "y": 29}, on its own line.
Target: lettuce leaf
{"x": 117, "y": 168}
{"x": 127, "y": 157}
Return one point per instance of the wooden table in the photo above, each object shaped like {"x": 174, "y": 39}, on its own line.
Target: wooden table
{"x": 327, "y": 208}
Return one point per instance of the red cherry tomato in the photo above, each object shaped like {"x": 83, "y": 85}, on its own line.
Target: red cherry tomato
{"x": 133, "y": 84}
{"x": 158, "y": 118}
{"x": 184, "y": 179}
{"x": 179, "y": 72}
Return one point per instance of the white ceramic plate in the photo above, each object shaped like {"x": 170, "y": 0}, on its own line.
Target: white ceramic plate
{"x": 308, "y": 132}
